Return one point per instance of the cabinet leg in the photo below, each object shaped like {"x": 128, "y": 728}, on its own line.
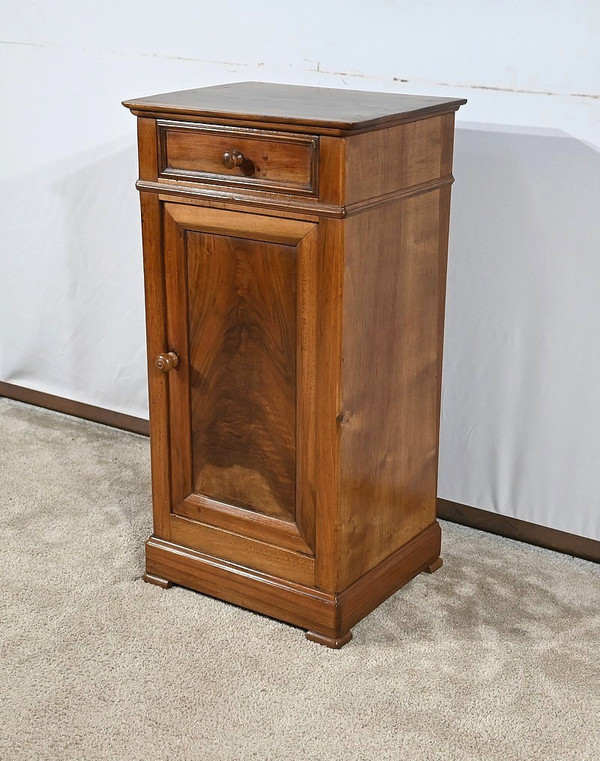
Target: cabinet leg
{"x": 148, "y": 577}
{"x": 434, "y": 566}
{"x": 334, "y": 642}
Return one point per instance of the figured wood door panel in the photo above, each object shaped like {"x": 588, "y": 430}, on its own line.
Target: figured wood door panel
{"x": 242, "y": 339}
{"x": 239, "y": 293}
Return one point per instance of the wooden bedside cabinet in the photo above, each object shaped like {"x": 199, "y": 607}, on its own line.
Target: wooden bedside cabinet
{"x": 295, "y": 244}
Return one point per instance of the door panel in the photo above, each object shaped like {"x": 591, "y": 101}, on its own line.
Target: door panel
{"x": 239, "y": 292}
{"x": 242, "y": 334}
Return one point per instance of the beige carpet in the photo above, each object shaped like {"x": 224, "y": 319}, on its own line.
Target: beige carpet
{"x": 495, "y": 657}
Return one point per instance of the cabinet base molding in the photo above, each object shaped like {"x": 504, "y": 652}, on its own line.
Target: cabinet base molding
{"x": 326, "y": 616}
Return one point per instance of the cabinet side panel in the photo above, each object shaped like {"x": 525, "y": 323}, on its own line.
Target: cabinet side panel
{"x": 388, "y": 421}
{"x": 444, "y": 231}
{"x": 388, "y": 160}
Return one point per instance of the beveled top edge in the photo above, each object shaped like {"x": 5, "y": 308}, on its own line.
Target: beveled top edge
{"x": 330, "y": 108}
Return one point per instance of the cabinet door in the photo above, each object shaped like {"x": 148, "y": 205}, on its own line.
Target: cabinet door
{"x": 240, "y": 291}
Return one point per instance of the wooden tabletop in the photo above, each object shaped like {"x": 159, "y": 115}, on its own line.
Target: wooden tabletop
{"x": 318, "y": 107}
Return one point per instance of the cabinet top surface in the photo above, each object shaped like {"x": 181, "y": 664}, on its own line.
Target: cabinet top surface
{"x": 346, "y": 110}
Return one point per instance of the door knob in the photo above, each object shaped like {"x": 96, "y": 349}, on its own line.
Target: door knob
{"x": 166, "y": 362}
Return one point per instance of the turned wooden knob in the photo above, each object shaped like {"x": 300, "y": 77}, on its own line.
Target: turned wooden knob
{"x": 231, "y": 159}
{"x": 166, "y": 362}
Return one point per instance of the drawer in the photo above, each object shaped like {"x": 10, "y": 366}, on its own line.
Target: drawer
{"x": 273, "y": 161}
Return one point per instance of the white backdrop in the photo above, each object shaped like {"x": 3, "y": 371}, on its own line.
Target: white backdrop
{"x": 521, "y": 414}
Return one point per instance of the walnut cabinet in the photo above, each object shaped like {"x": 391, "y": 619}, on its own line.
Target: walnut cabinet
{"x": 295, "y": 244}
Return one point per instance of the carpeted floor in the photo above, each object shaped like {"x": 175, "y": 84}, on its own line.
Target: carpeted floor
{"x": 495, "y": 657}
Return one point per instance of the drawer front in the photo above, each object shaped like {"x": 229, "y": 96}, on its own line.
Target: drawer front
{"x": 273, "y": 161}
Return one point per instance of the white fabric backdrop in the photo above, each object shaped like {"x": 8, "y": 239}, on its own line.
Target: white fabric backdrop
{"x": 521, "y": 419}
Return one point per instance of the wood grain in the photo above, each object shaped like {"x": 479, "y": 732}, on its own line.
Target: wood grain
{"x": 443, "y": 237}
{"x": 332, "y": 170}
{"x": 239, "y": 199}
{"x": 239, "y": 314}
{"x": 307, "y": 256}
{"x": 329, "y": 342}
{"x": 283, "y": 533}
{"x": 156, "y": 311}
{"x": 302, "y": 413}
{"x": 242, "y": 328}
{"x": 435, "y": 566}
{"x": 246, "y": 551}
{"x": 180, "y": 422}
{"x": 270, "y": 594}
{"x": 483, "y": 520}
{"x": 277, "y": 161}
{"x": 371, "y": 589}
{"x": 157, "y": 581}
{"x": 327, "y": 616}
{"x": 266, "y": 204}
{"x": 288, "y": 231}
{"x": 388, "y": 417}
{"x": 147, "y": 149}
{"x": 388, "y": 160}
{"x": 335, "y": 643}
{"x": 296, "y": 107}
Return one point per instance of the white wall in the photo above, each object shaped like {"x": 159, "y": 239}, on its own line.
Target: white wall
{"x": 521, "y": 418}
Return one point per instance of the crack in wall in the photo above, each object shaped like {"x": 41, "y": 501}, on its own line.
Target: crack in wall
{"x": 319, "y": 70}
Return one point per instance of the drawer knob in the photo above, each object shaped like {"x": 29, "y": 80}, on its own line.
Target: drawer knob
{"x": 231, "y": 159}
{"x": 166, "y": 362}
